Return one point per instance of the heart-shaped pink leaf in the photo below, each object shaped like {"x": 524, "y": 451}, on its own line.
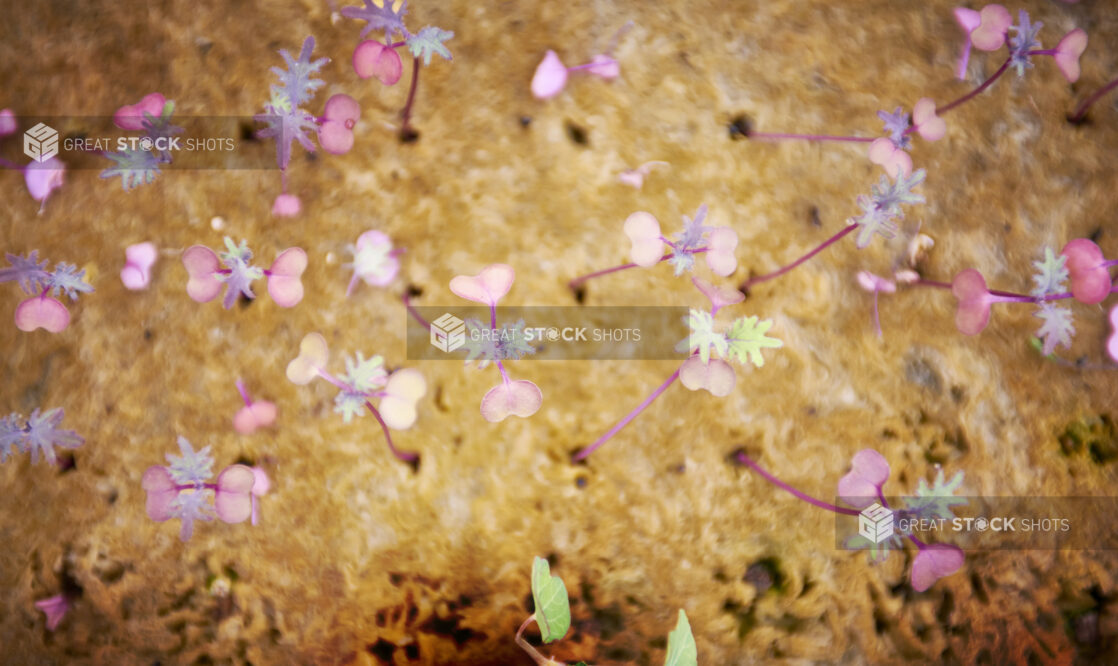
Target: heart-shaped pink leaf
{"x": 719, "y": 297}
{"x": 935, "y": 561}
{"x": 286, "y": 205}
{"x": 260, "y": 414}
{"x": 715, "y": 376}
{"x": 313, "y": 354}
{"x": 550, "y": 76}
{"x": 721, "y": 243}
{"x": 139, "y": 259}
{"x": 233, "y": 496}
{"x": 868, "y": 473}
{"x": 284, "y": 277}
{"x": 1112, "y": 342}
{"x": 516, "y": 398}
{"x": 885, "y": 153}
{"x": 202, "y": 265}
{"x": 643, "y": 231}
{"x": 927, "y": 123}
{"x": 343, "y": 109}
{"x": 1090, "y": 277}
{"x": 42, "y": 178}
{"x": 404, "y": 388}
{"x": 131, "y": 117}
{"x": 992, "y": 29}
{"x": 1068, "y": 51}
{"x": 488, "y": 286}
{"x": 371, "y": 58}
{"x": 161, "y": 492}
{"x": 973, "y": 313}
{"x": 335, "y": 137}
{"x": 42, "y": 312}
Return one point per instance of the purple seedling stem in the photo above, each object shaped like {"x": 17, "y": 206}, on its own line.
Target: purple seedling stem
{"x": 777, "y": 273}
{"x": 1081, "y": 110}
{"x": 584, "y": 453}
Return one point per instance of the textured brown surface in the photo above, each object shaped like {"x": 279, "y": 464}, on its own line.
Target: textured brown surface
{"x": 356, "y": 554}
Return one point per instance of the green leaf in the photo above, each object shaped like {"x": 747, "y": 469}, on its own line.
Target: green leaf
{"x": 681, "y": 644}
{"x": 553, "y": 610}
{"x": 747, "y": 339}
{"x": 703, "y": 337}
{"x": 429, "y": 40}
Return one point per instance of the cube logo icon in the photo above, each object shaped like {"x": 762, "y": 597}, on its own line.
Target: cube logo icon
{"x": 448, "y": 333}
{"x": 40, "y": 143}
{"x": 875, "y": 523}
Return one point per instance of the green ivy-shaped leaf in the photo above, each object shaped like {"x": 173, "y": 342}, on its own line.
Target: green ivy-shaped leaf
{"x": 681, "y": 644}
{"x": 553, "y": 610}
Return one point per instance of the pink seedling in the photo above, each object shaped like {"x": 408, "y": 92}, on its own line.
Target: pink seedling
{"x": 551, "y": 74}
{"x": 55, "y": 608}
{"x": 254, "y": 415}
{"x": 986, "y": 30}
{"x": 8, "y": 124}
{"x": 635, "y": 177}
{"x": 288, "y": 121}
{"x": 207, "y": 276}
{"x": 43, "y": 310}
{"x": 375, "y": 262}
{"x": 509, "y": 398}
{"x": 286, "y": 205}
{"x": 139, "y": 258}
{"x": 377, "y": 59}
{"x": 365, "y": 380}
{"x": 718, "y": 244}
{"x": 44, "y": 177}
{"x": 710, "y": 348}
{"x": 1081, "y": 111}
{"x": 1089, "y": 271}
{"x": 861, "y": 488}
{"x": 182, "y": 490}
{"x": 133, "y": 116}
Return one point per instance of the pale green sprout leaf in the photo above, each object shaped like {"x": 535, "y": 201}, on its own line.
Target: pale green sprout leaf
{"x": 681, "y": 644}
{"x": 746, "y": 339}
{"x": 703, "y": 337}
{"x": 429, "y": 40}
{"x": 553, "y": 609}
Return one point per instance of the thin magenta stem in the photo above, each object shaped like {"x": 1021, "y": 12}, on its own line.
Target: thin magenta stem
{"x": 1082, "y": 109}
{"x": 333, "y": 380}
{"x": 414, "y": 313}
{"x": 777, "y": 136}
{"x": 985, "y": 84}
{"x": 583, "y": 454}
{"x": 745, "y": 460}
{"x": 406, "y": 113}
{"x": 574, "y": 284}
{"x": 775, "y": 274}
{"x": 403, "y": 456}
{"x": 591, "y": 64}
{"x": 244, "y": 393}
